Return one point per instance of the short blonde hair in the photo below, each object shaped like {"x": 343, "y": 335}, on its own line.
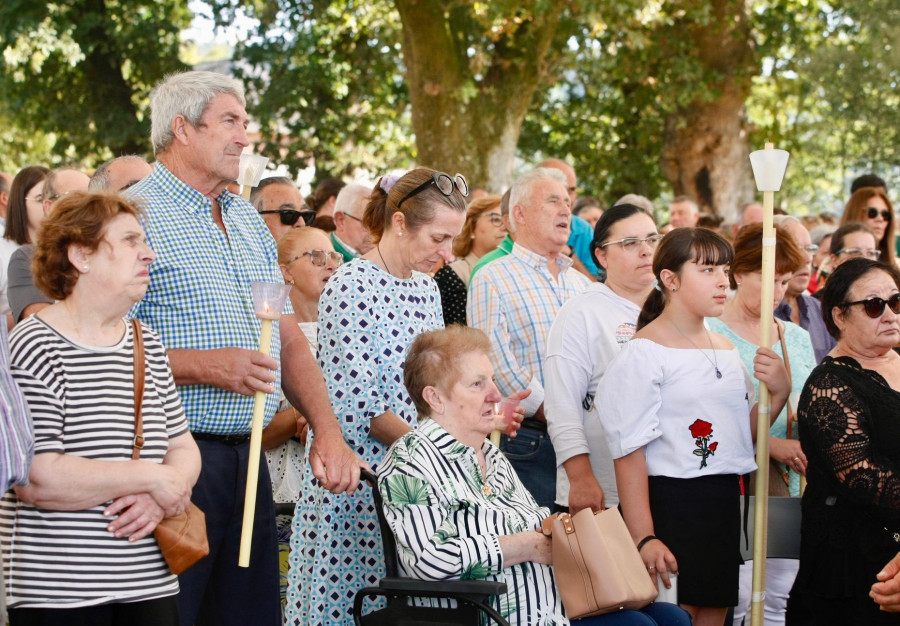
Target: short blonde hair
{"x": 433, "y": 360}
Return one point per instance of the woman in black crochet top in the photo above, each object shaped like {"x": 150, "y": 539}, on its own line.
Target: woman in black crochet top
{"x": 849, "y": 416}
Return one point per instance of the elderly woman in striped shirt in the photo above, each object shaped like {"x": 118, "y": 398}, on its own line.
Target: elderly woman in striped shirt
{"x": 88, "y": 513}
{"x": 456, "y": 506}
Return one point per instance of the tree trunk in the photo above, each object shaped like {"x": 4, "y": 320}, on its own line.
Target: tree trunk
{"x": 466, "y": 119}
{"x": 705, "y": 151}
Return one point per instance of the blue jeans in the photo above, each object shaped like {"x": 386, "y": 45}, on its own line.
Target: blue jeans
{"x": 532, "y": 455}
{"x": 654, "y": 614}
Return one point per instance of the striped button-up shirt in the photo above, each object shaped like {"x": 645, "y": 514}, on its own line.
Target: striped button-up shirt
{"x": 515, "y": 300}
{"x": 16, "y": 436}
{"x": 199, "y": 296}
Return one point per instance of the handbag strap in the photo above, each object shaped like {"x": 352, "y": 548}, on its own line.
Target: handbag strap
{"x": 787, "y": 366}
{"x": 138, "y": 339}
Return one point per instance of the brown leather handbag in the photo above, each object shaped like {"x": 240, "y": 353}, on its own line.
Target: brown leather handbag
{"x": 597, "y": 566}
{"x": 182, "y": 539}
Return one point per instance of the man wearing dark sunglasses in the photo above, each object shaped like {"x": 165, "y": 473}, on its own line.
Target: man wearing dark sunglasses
{"x": 281, "y": 205}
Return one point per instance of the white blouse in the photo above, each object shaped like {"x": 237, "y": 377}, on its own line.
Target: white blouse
{"x": 671, "y": 401}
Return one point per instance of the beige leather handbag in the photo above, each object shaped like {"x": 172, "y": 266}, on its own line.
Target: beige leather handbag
{"x": 597, "y": 566}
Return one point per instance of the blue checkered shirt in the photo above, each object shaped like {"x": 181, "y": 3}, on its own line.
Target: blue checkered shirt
{"x": 199, "y": 296}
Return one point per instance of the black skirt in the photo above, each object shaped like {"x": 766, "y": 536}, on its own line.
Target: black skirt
{"x": 699, "y": 520}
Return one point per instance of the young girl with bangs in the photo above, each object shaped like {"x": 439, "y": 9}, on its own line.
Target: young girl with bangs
{"x": 678, "y": 407}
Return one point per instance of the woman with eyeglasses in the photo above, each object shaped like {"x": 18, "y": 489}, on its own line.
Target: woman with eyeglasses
{"x": 307, "y": 260}
{"x": 849, "y": 417}
{"x": 871, "y": 206}
{"x": 369, "y": 313}
{"x": 740, "y": 324}
{"x": 482, "y": 232}
{"x": 589, "y": 331}
{"x": 24, "y": 214}
{"x": 850, "y": 241}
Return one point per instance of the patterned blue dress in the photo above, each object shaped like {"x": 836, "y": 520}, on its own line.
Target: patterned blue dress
{"x": 367, "y": 319}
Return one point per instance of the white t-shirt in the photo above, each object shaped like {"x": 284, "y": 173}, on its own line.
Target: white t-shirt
{"x": 669, "y": 399}
{"x": 586, "y": 336}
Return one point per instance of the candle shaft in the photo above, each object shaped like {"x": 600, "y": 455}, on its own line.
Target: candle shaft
{"x": 256, "y": 428}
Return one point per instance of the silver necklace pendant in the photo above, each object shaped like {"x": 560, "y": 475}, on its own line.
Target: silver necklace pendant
{"x": 718, "y": 373}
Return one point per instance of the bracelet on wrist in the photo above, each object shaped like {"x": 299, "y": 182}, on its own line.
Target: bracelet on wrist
{"x": 646, "y": 540}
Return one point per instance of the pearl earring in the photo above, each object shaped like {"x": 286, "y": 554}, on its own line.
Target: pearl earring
{"x": 86, "y": 267}
{"x": 400, "y": 234}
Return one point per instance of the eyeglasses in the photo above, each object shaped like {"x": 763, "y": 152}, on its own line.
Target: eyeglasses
{"x": 444, "y": 183}
{"x": 872, "y": 212}
{"x": 57, "y": 196}
{"x": 353, "y": 217}
{"x": 495, "y": 218}
{"x": 866, "y": 252}
{"x": 36, "y": 198}
{"x": 811, "y": 248}
{"x": 289, "y": 217}
{"x": 633, "y": 244}
{"x": 320, "y": 257}
{"x": 874, "y": 307}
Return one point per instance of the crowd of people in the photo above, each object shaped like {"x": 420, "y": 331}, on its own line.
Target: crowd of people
{"x": 417, "y": 309}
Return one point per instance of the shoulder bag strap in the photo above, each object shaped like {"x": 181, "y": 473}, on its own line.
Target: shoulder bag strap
{"x": 138, "y": 340}
{"x": 787, "y": 365}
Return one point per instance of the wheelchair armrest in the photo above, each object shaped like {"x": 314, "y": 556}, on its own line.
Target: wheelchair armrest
{"x": 446, "y": 587}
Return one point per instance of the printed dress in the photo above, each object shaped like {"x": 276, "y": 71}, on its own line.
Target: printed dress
{"x": 447, "y": 519}
{"x": 367, "y": 319}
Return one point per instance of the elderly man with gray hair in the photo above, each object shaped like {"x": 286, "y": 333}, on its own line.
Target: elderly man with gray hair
{"x": 350, "y": 237}
{"x": 210, "y": 246}
{"x": 120, "y": 173}
{"x": 514, "y": 300}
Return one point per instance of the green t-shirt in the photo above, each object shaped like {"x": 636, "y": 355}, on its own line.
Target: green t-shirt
{"x": 499, "y": 252}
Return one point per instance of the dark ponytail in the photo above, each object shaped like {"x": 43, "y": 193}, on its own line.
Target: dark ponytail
{"x": 680, "y": 246}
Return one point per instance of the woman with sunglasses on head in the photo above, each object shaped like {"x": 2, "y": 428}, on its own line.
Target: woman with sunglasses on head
{"x": 849, "y": 416}
{"x": 680, "y": 420}
{"x": 871, "y": 206}
{"x": 369, "y": 313}
{"x": 589, "y": 331}
{"x": 482, "y": 232}
{"x": 307, "y": 260}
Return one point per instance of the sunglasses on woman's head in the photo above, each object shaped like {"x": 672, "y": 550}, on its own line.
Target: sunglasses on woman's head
{"x": 874, "y": 307}
{"x": 289, "y": 217}
{"x": 445, "y": 184}
{"x": 872, "y": 212}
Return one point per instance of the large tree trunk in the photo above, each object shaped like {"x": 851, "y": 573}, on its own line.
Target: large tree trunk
{"x": 705, "y": 152}
{"x": 467, "y": 118}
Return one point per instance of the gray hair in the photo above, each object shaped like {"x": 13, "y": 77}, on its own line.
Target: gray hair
{"x": 256, "y": 197}
{"x": 637, "y": 200}
{"x": 187, "y": 94}
{"x": 49, "y": 190}
{"x": 782, "y": 220}
{"x": 688, "y": 201}
{"x": 522, "y": 191}
{"x": 100, "y": 178}
{"x": 350, "y": 197}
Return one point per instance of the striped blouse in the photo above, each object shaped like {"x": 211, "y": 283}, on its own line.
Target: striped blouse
{"x": 448, "y": 519}
{"x": 82, "y": 403}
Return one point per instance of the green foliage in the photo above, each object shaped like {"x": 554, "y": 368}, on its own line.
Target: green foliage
{"x": 78, "y": 73}
{"x": 327, "y": 83}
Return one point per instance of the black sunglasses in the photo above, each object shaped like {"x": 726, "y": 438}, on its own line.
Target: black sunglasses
{"x": 444, "y": 183}
{"x": 873, "y": 213}
{"x": 289, "y": 217}
{"x": 874, "y": 307}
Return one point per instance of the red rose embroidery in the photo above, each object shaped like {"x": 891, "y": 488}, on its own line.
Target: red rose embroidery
{"x": 701, "y": 428}
{"x": 701, "y": 431}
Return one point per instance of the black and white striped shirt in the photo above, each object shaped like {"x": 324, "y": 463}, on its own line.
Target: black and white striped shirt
{"x": 82, "y": 403}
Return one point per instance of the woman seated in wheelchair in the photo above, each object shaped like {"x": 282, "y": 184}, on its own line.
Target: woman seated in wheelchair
{"x": 455, "y": 504}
